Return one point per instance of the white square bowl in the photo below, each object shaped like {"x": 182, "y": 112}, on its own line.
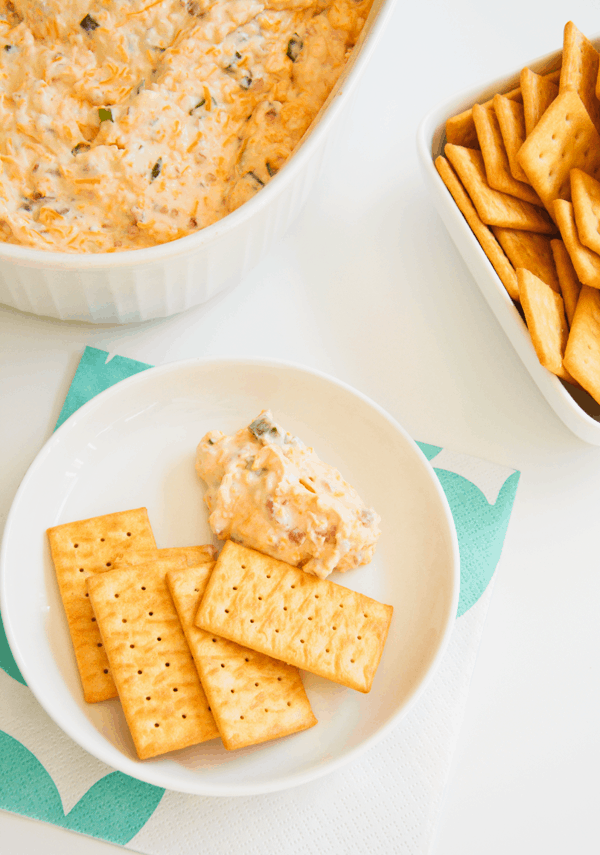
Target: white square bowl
{"x": 573, "y": 406}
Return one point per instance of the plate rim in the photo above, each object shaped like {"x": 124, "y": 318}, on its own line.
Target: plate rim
{"x": 150, "y": 773}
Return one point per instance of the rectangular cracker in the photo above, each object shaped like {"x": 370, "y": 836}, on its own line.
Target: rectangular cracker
{"x": 545, "y": 317}
{"x": 81, "y": 549}
{"x": 495, "y": 208}
{"x": 460, "y": 129}
{"x": 580, "y": 70}
{"x": 511, "y": 119}
{"x": 495, "y": 157}
{"x": 486, "y": 239}
{"x": 570, "y": 286}
{"x": 193, "y": 555}
{"x": 564, "y": 138}
{"x": 531, "y": 251}
{"x": 539, "y": 92}
{"x": 164, "y": 704}
{"x": 585, "y": 196}
{"x": 582, "y": 355}
{"x": 585, "y": 262}
{"x": 276, "y": 609}
{"x": 253, "y": 697}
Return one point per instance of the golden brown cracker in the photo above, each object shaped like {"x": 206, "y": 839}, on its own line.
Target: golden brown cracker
{"x": 546, "y": 321}
{"x": 539, "y": 92}
{"x": 582, "y": 355}
{"x": 585, "y": 196}
{"x": 511, "y": 119}
{"x": 276, "y": 609}
{"x": 460, "y": 129}
{"x": 531, "y": 251}
{"x": 164, "y": 704}
{"x": 253, "y": 697}
{"x": 570, "y": 286}
{"x": 193, "y": 555}
{"x": 81, "y": 549}
{"x": 495, "y": 157}
{"x": 563, "y": 139}
{"x": 486, "y": 239}
{"x": 579, "y": 70}
{"x": 495, "y": 208}
{"x": 585, "y": 262}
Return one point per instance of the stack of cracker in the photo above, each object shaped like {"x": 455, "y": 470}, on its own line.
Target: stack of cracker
{"x": 524, "y": 169}
{"x": 82, "y": 549}
{"x": 198, "y": 649}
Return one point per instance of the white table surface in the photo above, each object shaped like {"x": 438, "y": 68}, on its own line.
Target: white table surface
{"x": 367, "y": 286}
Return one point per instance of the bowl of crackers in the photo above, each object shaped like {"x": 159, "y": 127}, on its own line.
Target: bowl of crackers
{"x": 170, "y": 649}
{"x": 514, "y": 171}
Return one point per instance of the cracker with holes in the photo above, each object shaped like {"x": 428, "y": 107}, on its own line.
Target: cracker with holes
{"x": 163, "y": 701}
{"x": 488, "y": 242}
{"x": 579, "y": 71}
{"x": 495, "y": 156}
{"x": 253, "y": 697}
{"x": 82, "y": 549}
{"x": 585, "y": 262}
{"x": 193, "y": 555}
{"x": 494, "y": 207}
{"x": 565, "y": 138}
{"x": 276, "y": 609}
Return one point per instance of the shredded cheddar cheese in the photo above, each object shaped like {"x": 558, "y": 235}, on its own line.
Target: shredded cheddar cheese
{"x": 270, "y": 492}
{"x": 129, "y": 123}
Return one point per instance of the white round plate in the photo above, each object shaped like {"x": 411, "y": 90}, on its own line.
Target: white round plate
{"x": 134, "y": 445}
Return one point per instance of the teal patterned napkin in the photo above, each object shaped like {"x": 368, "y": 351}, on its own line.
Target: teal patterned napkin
{"x": 387, "y": 801}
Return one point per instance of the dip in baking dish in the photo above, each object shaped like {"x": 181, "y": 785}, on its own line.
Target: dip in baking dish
{"x": 129, "y": 123}
{"x": 270, "y": 492}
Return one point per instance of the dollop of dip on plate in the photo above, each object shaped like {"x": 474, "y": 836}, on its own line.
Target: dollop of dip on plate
{"x": 130, "y": 123}
{"x": 270, "y": 492}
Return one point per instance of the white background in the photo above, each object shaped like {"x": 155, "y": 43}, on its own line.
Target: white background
{"x": 367, "y": 286}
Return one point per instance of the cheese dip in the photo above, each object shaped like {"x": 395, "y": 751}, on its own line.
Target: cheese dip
{"x": 129, "y": 123}
{"x": 270, "y": 492}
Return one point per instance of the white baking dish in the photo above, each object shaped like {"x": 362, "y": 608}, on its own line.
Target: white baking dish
{"x": 162, "y": 280}
{"x": 575, "y": 407}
